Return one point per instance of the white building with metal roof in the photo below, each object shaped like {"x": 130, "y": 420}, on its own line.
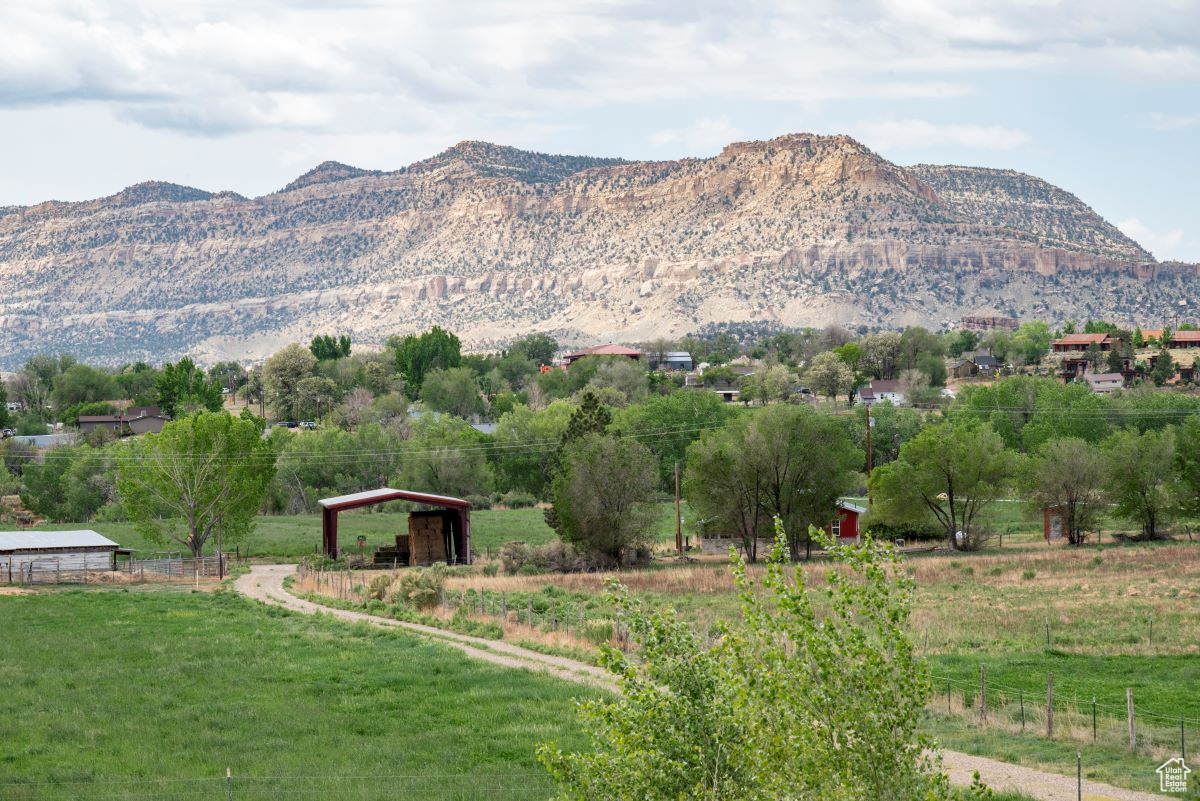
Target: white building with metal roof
{"x": 62, "y": 550}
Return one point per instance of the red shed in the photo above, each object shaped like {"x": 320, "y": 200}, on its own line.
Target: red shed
{"x": 455, "y": 524}
{"x": 845, "y": 525}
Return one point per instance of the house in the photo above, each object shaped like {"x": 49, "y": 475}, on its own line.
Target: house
{"x": 604, "y": 350}
{"x": 844, "y": 527}
{"x": 1075, "y": 342}
{"x": 879, "y": 390}
{"x": 54, "y": 550}
{"x": 672, "y": 360}
{"x": 1104, "y": 383}
{"x": 972, "y": 364}
{"x": 15, "y": 406}
{"x": 134, "y": 420}
{"x": 1184, "y": 339}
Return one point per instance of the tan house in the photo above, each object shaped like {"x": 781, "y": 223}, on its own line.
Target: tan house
{"x": 134, "y": 420}
{"x": 1104, "y": 383}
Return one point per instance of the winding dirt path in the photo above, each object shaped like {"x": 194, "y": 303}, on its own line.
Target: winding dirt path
{"x": 265, "y": 583}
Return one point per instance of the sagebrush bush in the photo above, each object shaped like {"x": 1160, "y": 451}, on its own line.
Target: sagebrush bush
{"x": 553, "y": 557}
{"x": 420, "y": 589}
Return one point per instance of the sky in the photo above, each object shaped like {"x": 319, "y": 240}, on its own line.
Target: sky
{"x": 1101, "y": 97}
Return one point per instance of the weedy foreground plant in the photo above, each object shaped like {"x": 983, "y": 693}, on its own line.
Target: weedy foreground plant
{"x": 785, "y": 705}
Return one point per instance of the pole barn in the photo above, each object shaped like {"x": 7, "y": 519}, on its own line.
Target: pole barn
{"x": 432, "y": 537}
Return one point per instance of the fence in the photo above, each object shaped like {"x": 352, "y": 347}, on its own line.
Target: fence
{"x": 1045, "y": 711}
{"x": 134, "y": 571}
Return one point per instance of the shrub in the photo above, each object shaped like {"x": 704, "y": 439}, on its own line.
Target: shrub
{"x": 909, "y": 532}
{"x": 420, "y": 589}
{"x": 553, "y": 557}
{"x": 518, "y": 500}
{"x": 378, "y": 587}
{"x": 1029, "y": 574}
{"x": 479, "y": 501}
{"x": 491, "y": 569}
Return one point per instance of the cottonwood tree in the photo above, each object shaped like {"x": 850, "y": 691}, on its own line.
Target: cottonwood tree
{"x": 1140, "y": 477}
{"x": 182, "y": 388}
{"x": 204, "y": 475}
{"x": 454, "y": 391}
{"x": 951, "y": 471}
{"x": 281, "y": 377}
{"x": 416, "y": 355}
{"x": 1067, "y": 473}
{"x": 786, "y": 703}
{"x": 785, "y": 461}
{"x": 1187, "y": 456}
{"x": 668, "y": 424}
{"x": 603, "y": 494}
{"x": 446, "y": 456}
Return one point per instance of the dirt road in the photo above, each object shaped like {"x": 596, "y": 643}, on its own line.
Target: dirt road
{"x": 265, "y": 583}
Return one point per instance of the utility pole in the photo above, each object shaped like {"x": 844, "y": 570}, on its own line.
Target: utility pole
{"x": 678, "y": 521}
{"x": 870, "y": 424}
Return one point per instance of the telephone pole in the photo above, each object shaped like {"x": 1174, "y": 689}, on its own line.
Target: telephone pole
{"x": 870, "y": 424}
{"x": 678, "y": 522}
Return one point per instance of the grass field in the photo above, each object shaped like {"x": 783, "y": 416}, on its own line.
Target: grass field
{"x": 1117, "y": 617}
{"x": 152, "y": 694}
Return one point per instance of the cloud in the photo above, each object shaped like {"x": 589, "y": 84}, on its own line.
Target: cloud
{"x": 1161, "y": 244}
{"x": 219, "y": 67}
{"x": 920, "y": 134}
{"x": 702, "y": 137}
{"x": 1173, "y": 122}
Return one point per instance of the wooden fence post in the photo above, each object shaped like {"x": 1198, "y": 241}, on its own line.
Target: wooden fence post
{"x": 1050, "y": 705}
{"x": 983, "y": 695}
{"x": 1132, "y": 722}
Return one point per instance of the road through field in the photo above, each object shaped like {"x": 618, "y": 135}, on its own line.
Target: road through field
{"x": 265, "y": 583}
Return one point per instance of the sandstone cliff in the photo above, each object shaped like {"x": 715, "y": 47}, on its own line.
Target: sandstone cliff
{"x": 491, "y": 241}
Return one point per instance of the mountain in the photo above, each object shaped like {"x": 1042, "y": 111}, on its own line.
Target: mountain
{"x": 492, "y": 241}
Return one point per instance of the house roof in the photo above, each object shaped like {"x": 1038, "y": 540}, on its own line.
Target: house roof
{"x": 851, "y": 507}
{"x": 1152, "y": 333}
{"x": 1104, "y": 378}
{"x": 39, "y": 540}
{"x": 888, "y": 385}
{"x": 1082, "y": 339}
{"x": 606, "y": 350}
{"x": 357, "y": 499}
{"x": 679, "y": 354}
{"x": 1186, "y": 336}
{"x": 100, "y": 418}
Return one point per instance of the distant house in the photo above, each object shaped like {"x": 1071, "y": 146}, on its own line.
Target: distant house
{"x": 673, "y": 360}
{"x": 604, "y": 350}
{"x": 1075, "y": 342}
{"x": 50, "y": 550}
{"x": 134, "y": 420}
{"x": 877, "y": 390}
{"x": 1104, "y": 383}
{"x": 1185, "y": 339}
{"x": 844, "y": 527}
{"x": 972, "y": 364}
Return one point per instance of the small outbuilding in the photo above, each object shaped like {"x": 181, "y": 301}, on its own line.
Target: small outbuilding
{"x": 442, "y": 534}
{"x": 844, "y": 527}
{"x": 54, "y": 550}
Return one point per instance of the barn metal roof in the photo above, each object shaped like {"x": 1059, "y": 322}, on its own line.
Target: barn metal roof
{"x": 369, "y": 497}
{"x": 40, "y": 540}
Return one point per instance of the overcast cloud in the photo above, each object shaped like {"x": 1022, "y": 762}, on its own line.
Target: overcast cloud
{"x": 1100, "y": 97}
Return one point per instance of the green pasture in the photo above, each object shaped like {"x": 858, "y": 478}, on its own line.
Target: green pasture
{"x": 152, "y": 694}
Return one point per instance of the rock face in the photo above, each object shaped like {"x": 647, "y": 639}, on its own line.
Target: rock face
{"x": 491, "y": 241}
